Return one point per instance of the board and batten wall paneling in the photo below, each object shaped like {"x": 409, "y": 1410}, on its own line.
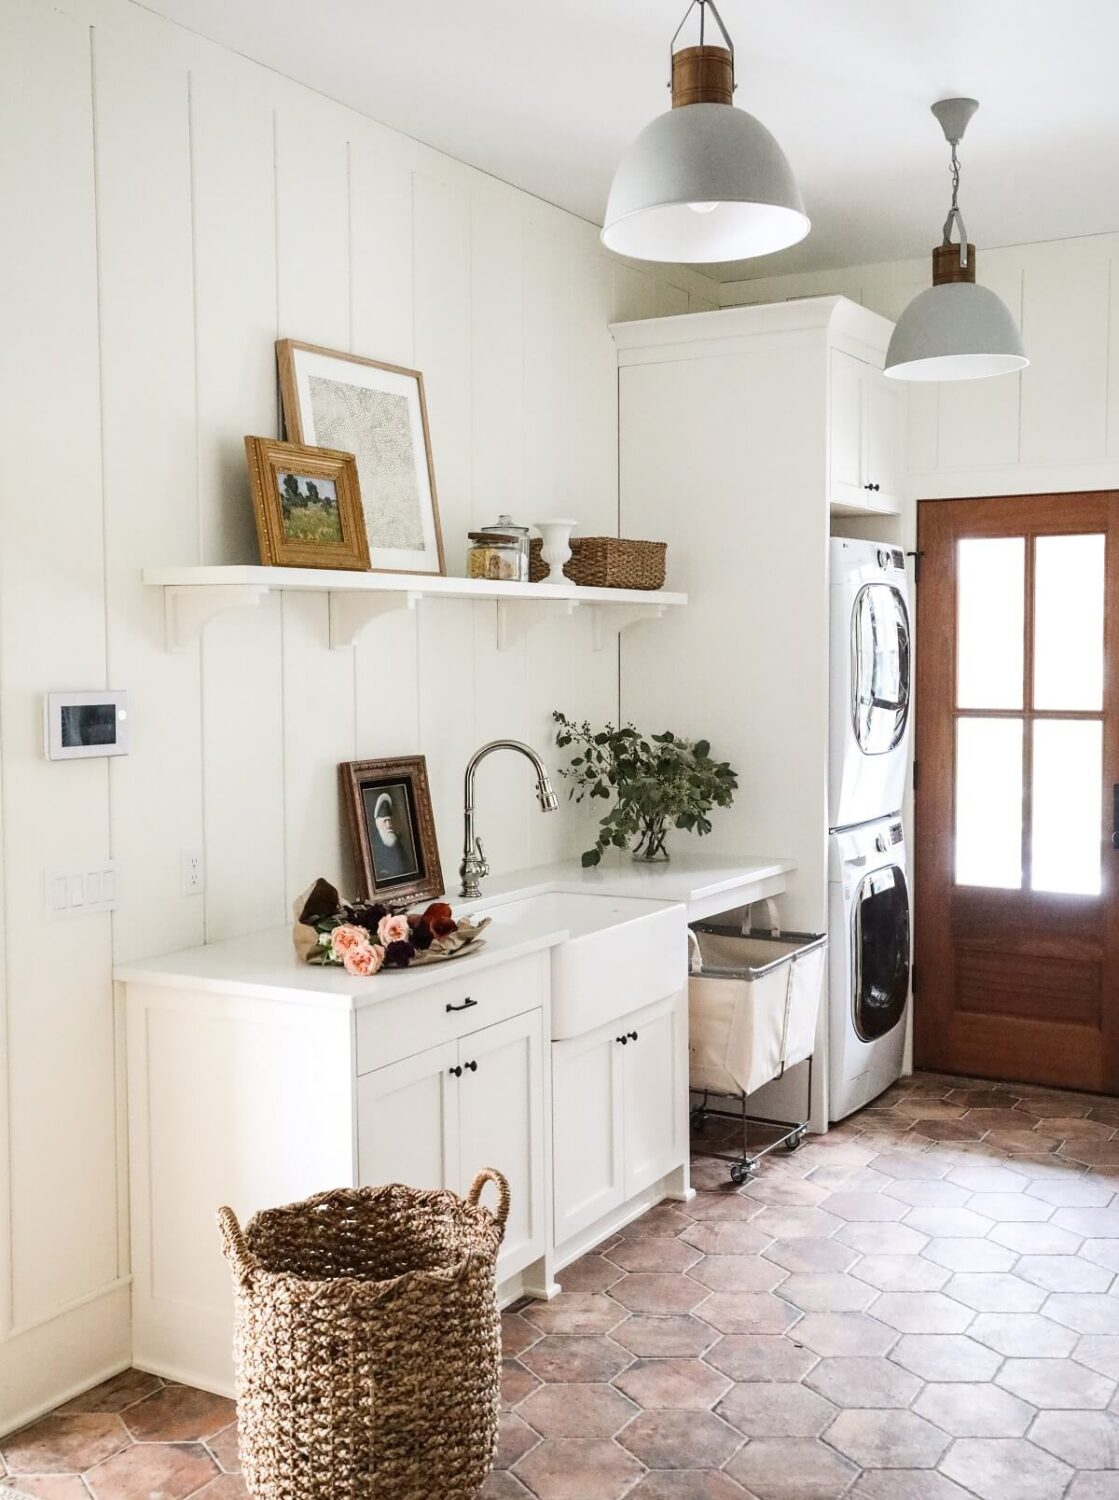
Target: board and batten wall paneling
{"x": 1055, "y": 426}
{"x": 180, "y": 208}
{"x": 62, "y": 1313}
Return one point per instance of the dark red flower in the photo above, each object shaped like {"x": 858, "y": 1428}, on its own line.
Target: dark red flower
{"x": 422, "y": 934}
{"x": 399, "y": 955}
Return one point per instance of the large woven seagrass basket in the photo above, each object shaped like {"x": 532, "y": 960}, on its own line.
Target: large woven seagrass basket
{"x": 367, "y": 1343}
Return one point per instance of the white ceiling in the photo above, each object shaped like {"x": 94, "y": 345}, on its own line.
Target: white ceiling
{"x": 546, "y": 94}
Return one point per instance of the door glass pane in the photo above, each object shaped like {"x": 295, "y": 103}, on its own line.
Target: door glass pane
{"x": 1067, "y": 816}
{"x": 881, "y": 668}
{"x": 1068, "y": 622}
{"x": 989, "y": 802}
{"x": 991, "y": 606}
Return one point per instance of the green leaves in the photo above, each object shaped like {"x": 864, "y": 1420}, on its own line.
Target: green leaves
{"x": 656, "y": 781}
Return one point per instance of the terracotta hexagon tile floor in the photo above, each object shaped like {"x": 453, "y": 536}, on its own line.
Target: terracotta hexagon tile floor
{"x": 922, "y": 1305}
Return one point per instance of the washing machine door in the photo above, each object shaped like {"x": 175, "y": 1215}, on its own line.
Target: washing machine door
{"x": 881, "y": 952}
{"x": 880, "y": 648}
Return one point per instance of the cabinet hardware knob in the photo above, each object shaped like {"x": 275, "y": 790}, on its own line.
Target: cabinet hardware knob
{"x": 473, "y": 1066}
{"x": 622, "y": 1039}
{"x": 457, "y": 1071}
{"x": 868, "y": 486}
{"x": 633, "y": 1036}
{"x": 466, "y": 1005}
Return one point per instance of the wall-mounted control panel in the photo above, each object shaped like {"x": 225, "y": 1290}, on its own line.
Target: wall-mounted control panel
{"x": 79, "y": 724}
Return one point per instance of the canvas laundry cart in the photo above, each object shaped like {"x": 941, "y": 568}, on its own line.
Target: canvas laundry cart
{"x": 753, "y": 999}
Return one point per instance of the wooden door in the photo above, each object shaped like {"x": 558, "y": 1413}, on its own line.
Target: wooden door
{"x": 407, "y": 1121}
{"x": 501, "y": 1124}
{"x": 652, "y": 1081}
{"x": 587, "y": 1144}
{"x": 1017, "y": 768}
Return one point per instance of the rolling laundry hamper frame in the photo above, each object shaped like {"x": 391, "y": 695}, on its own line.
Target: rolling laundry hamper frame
{"x": 802, "y": 985}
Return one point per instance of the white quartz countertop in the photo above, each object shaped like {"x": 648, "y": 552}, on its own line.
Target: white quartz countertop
{"x": 532, "y": 909}
{"x": 698, "y": 881}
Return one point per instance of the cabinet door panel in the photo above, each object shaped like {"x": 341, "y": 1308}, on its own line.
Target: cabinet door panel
{"x": 407, "y": 1122}
{"x": 501, "y": 1124}
{"x": 845, "y": 432}
{"x": 586, "y": 1130}
{"x": 884, "y": 409}
{"x": 653, "y": 1088}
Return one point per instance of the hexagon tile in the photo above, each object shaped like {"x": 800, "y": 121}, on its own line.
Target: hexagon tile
{"x": 922, "y": 1305}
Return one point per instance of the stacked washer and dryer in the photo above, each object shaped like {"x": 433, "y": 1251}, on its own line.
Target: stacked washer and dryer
{"x": 868, "y": 893}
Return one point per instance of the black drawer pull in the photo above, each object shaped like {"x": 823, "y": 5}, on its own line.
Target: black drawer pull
{"x": 466, "y": 1004}
{"x": 633, "y": 1036}
{"x": 457, "y": 1071}
{"x": 622, "y": 1039}
{"x": 473, "y": 1066}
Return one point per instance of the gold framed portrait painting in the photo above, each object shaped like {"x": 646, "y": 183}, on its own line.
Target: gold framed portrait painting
{"x": 392, "y": 829}
{"x": 307, "y": 506}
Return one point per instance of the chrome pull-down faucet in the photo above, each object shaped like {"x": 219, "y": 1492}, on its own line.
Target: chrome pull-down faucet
{"x": 474, "y": 866}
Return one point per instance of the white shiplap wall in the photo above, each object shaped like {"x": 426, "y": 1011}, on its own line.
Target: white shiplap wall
{"x": 1055, "y": 426}
{"x": 171, "y": 209}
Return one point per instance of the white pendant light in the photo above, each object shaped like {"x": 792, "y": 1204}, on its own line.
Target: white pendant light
{"x": 704, "y": 181}
{"x": 955, "y": 330}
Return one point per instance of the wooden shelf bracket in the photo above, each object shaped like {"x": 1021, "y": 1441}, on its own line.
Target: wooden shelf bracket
{"x": 609, "y": 620}
{"x": 516, "y": 617}
{"x": 351, "y": 612}
{"x": 187, "y": 610}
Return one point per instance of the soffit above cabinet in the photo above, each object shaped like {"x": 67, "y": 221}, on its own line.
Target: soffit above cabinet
{"x": 837, "y": 322}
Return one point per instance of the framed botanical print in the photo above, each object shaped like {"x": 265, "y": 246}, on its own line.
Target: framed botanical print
{"x": 388, "y": 806}
{"x": 307, "y": 506}
{"x": 378, "y": 413}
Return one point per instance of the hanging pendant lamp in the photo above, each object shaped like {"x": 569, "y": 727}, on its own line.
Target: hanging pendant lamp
{"x": 704, "y": 181}
{"x": 956, "y": 330}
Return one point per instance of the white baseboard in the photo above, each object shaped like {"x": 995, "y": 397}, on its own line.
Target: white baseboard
{"x": 49, "y": 1363}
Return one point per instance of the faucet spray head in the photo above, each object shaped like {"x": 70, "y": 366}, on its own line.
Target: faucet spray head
{"x": 549, "y": 802}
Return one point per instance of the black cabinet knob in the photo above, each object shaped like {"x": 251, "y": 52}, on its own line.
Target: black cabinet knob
{"x": 473, "y": 1066}
{"x": 622, "y": 1039}
{"x": 457, "y": 1071}
{"x": 633, "y": 1036}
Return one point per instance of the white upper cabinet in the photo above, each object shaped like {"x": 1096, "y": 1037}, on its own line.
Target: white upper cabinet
{"x": 865, "y": 437}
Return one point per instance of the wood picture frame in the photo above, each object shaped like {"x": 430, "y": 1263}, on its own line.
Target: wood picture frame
{"x": 378, "y": 412}
{"x": 398, "y": 862}
{"x": 307, "y": 506}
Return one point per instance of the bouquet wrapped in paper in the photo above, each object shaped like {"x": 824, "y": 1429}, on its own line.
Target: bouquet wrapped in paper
{"x": 364, "y": 938}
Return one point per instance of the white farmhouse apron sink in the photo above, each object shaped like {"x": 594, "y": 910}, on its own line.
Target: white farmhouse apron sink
{"x": 619, "y": 953}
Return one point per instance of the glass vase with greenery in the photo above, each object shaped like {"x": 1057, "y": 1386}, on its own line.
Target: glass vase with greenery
{"x": 655, "y": 782}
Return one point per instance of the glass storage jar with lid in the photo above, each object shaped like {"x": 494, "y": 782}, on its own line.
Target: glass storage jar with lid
{"x": 499, "y": 552}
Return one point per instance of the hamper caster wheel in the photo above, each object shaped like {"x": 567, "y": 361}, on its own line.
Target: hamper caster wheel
{"x": 795, "y": 1141}
{"x": 739, "y": 1173}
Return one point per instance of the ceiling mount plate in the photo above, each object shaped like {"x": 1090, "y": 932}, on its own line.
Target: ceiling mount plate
{"x": 954, "y": 115}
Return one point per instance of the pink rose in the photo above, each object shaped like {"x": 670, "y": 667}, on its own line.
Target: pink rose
{"x": 393, "y": 930}
{"x": 364, "y": 959}
{"x": 347, "y": 937}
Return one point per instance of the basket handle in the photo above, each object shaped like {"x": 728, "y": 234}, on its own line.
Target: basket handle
{"x": 491, "y": 1174}
{"x": 242, "y": 1262}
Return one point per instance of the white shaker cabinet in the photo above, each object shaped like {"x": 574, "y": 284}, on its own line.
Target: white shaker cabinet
{"x": 619, "y": 1112}
{"x": 865, "y": 436}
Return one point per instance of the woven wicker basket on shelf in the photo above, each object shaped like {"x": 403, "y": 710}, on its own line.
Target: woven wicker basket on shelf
{"x": 367, "y": 1343}
{"x": 606, "y": 562}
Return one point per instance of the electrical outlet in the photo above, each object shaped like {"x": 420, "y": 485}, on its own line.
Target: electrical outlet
{"x": 192, "y": 870}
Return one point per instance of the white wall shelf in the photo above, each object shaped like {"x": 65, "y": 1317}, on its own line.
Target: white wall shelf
{"x": 193, "y": 596}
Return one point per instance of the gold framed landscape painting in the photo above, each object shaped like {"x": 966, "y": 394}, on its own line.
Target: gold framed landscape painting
{"x": 307, "y": 506}
{"x": 378, "y": 413}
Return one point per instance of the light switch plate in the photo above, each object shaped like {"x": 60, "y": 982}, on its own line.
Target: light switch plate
{"x": 82, "y": 890}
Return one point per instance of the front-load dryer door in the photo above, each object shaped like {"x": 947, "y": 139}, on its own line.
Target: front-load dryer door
{"x": 880, "y": 707}
{"x": 881, "y": 952}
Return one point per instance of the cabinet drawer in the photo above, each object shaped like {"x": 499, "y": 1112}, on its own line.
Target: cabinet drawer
{"x": 465, "y": 1001}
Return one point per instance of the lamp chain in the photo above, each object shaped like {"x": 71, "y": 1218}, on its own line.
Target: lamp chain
{"x": 954, "y": 214}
